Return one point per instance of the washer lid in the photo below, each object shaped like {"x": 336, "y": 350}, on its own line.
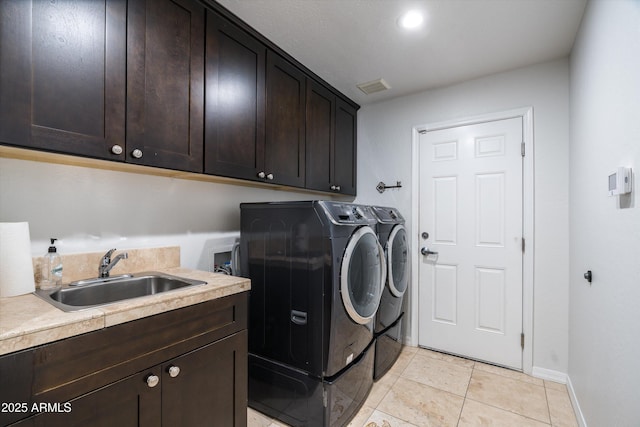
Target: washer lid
{"x": 362, "y": 275}
{"x": 398, "y": 261}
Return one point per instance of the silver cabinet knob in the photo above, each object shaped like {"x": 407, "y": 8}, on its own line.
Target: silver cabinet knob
{"x": 335, "y": 187}
{"x": 152, "y": 380}
{"x": 261, "y": 175}
{"x": 116, "y": 149}
{"x": 174, "y": 371}
{"x": 137, "y": 153}
{"x": 270, "y": 176}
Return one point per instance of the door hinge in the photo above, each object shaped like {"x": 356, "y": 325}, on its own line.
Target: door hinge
{"x": 522, "y": 340}
{"x": 522, "y": 149}
{"x": 523, "y": 245}
{"x": 324, "y": 398}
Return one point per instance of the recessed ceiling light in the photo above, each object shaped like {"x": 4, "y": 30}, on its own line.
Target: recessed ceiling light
{"x": 411, "y": 20}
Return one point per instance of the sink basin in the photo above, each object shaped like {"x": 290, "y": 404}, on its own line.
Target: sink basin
{"x": 97, "y": 292}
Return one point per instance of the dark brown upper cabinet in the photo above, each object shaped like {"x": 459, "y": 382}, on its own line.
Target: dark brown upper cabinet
{"x": 62, "y": 79}
{"x": 285, "y": 127}
{"x": 176, "y": 84}
{"x": 345, "y": 148}
{"x": 235, "y": 101}
{"x": 320, "y": 129}
{"x": 165, "y": 83}
{"x": 73, "y": 73}
{"x": 330, "y": 141}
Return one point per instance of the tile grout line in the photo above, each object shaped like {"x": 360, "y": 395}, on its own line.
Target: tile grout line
{"x": 507, "y": 410}
{"x": 389, "y": 390}
{"x": 546, "y": 396}
{"x": 464, "y": 400}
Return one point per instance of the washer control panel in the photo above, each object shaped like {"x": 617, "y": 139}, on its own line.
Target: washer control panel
{"x": 348, "y": 213}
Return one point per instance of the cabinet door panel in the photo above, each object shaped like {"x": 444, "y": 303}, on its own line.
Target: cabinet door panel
{"x": 235, "y": 102}
{"x": 345, "y": 148}
{"x": 319, "y": 137}
{"x": 211, "y": 387}
{"x": 62, "y": 86}
{"x": 285, "y": 147}
{"x": 126, "y": 403}
{"x": 165, "y": 83}
{"x": 16, "y": 374}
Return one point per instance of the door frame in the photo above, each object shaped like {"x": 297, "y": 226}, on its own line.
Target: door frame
{"x": 528, "y": 200}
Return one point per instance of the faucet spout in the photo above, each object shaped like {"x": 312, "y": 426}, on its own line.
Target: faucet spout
{"x": 106, "y": 263}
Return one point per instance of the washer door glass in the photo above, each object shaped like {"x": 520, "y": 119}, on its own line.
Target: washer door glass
{"x": 398, "y": 261}
{"x": 362, "y": 275}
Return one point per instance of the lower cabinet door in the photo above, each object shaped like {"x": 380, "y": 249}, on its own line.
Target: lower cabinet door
{"x": 208, "y": 386}
{"x": 130, "y": 402}
{"x": 205, "y": 387}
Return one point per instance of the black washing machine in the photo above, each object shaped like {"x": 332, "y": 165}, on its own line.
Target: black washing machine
{"x": 317, "y": 273}
{"x": 388, "y": 322}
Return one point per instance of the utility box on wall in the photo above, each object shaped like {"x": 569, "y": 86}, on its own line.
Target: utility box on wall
{"x": 222, "y": 256}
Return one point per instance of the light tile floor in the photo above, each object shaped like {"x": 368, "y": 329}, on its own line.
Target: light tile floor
{"x": 426, "y": 388}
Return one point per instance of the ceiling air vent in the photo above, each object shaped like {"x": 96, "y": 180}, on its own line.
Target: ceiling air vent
{"x": 374, "y": 86}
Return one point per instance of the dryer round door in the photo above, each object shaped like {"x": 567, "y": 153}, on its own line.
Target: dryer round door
{"x": 362, "y": 275}
{"x": 398, "y": 261}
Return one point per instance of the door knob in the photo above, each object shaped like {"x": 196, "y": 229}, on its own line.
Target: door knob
{"x": 116, "y": 149}
{"x": 261, "y": 175}
{"x": 270, "y": 176}
{"x": 137, "y": 153}
{"x": 427, "y": 252}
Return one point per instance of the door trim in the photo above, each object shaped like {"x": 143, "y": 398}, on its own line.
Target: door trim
{"x": 528, "y": 200}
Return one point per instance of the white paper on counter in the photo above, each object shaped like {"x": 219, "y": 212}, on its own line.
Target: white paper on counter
{"x": 16, "y": 267}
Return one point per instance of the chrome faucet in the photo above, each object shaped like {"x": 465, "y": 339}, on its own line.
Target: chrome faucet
{"x": 106, "y": 263}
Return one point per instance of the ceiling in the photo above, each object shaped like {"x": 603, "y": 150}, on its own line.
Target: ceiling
{"x": 347, "y": 42}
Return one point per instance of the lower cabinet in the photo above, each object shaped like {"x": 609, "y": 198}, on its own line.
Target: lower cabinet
{"x": 202, "y": 380}
{"x": 207, "y": 386}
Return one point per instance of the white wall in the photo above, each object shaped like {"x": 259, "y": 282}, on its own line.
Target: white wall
{"x": 93, "y": 210}
{"x": 604, "y": 325}
{"x": 384, "y": 144}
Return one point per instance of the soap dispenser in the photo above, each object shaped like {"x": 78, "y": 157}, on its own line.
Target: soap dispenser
{"x": 51, "y": 268}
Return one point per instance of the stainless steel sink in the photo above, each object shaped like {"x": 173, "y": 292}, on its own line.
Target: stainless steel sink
{"x": 98, "y": 292}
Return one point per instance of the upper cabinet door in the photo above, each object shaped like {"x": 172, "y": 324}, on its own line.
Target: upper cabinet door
{"x": 165, "y": 83}
{"x": 62, "y": 79}
{"x": 285, "y": 127}
{"x": 235, "y": 101}
{"x": 345, "y": 148}
{"x": 321, "y": 105}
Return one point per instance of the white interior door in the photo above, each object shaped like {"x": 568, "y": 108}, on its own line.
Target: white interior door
{"x": 470, "y": 292}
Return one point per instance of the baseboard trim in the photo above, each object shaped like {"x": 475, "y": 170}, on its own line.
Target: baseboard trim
{"x": 561, "y": 377}
{"x": 576, "y": 405}
{"x": 408, "y": 340}
{"x": 549, "y": 374}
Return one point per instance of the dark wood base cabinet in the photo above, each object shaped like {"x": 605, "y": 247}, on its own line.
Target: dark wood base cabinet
{"x": 206, "y": 386}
